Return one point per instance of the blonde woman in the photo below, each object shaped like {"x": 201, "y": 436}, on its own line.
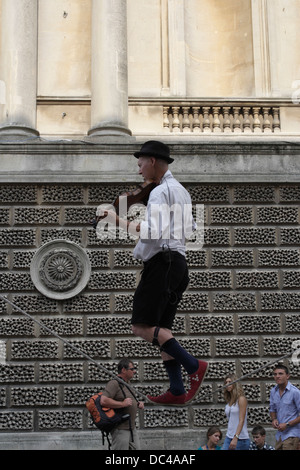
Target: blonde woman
{"x": 237, "y": 437}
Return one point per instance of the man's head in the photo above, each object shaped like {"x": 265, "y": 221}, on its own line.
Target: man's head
{"x": 126, "y": 369}
{"x": 281, "y": 375}
{"x": 153, "y": 160}
{"x": 151, "y": 168}
{"x": 259, "y": 436}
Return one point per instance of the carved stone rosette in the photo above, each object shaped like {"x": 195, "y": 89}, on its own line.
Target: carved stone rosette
{"x": 60, "y": 269}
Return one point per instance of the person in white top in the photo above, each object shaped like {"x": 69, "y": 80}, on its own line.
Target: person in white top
{"x": 237, "y": 436}
{"x": 161, "y": 247}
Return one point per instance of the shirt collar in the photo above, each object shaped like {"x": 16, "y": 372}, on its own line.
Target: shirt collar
{"x": 288, "y": 387}
{"x": 166, "y": 175}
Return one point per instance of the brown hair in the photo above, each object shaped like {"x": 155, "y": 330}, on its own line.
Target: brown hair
{"x": 237, "y": 390}
{"x": 212, "y": 430}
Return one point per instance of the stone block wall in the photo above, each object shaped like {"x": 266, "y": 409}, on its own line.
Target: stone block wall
{"x": 241, "y": 309}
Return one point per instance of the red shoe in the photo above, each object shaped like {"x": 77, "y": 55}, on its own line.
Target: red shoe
{"x": 168, "y": 398}
{"x": 195, "y": 381}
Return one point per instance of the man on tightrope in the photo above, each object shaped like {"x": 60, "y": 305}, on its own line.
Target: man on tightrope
{"x": 161, "y": 247}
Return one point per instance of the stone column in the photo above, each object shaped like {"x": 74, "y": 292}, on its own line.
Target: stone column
{"x": 177, "y": 48}
{"x": 18, "y": 67}
{"x": 261, "y": 47}
{"x": 109, "y": 105}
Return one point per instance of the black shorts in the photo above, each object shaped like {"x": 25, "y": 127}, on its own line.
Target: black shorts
{"x": 160, "y": 290}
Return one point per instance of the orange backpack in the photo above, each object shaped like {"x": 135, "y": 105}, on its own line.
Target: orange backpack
{"x": 105, "y": 419}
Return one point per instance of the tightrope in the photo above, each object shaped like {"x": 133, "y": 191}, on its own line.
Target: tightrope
{"x": 103, "y": 369}
{"x": 75, "y": 348}
{"x": 243, "y": 377}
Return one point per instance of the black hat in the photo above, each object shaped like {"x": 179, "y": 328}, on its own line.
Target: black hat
{"x": 156, "y": 149}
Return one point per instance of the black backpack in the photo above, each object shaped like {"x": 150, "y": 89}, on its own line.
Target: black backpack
{"x": 106, "y": 419}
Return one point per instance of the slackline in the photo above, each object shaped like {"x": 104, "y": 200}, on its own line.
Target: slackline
{"x": 243, "y": 377}
{"x": 102, "y": 368}
{"x": 78, "y": 350}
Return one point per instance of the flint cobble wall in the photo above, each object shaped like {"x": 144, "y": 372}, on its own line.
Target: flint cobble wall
{"x": 241, "y": 309}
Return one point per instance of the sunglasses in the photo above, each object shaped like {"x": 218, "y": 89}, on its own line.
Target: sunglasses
{"x": 131, "y": 368}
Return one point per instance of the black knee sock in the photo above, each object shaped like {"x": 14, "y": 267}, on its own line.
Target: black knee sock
{"x": 173, "y": 369}
{"x": 173, "y": 348}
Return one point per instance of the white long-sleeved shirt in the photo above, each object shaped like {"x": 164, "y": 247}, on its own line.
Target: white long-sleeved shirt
{"x": 168, "y": 220}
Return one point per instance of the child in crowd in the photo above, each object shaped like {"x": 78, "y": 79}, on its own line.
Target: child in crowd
{"x": 259, "y": 439}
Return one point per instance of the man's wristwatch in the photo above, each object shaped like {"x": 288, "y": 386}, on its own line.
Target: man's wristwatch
{"x": 237, "y": 436}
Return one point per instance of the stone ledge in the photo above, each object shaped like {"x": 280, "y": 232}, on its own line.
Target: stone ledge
{"x": 92, "y": 440}
{"x": 202, "y": 160}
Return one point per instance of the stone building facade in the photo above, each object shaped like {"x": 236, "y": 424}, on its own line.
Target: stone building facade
{"x": 83, "y": 83}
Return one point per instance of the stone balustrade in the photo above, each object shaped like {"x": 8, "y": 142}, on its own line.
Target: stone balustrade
{"x": 214, "y": 118}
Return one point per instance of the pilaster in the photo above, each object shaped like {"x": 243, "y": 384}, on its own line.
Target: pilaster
{"x": 18, "y": 64}
{"x": 109, "y": 105}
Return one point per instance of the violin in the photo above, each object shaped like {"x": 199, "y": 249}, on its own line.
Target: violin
{"x": 137, "y": 195}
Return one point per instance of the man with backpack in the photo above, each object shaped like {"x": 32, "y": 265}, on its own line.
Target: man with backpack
{"x": 116, "y": 395}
